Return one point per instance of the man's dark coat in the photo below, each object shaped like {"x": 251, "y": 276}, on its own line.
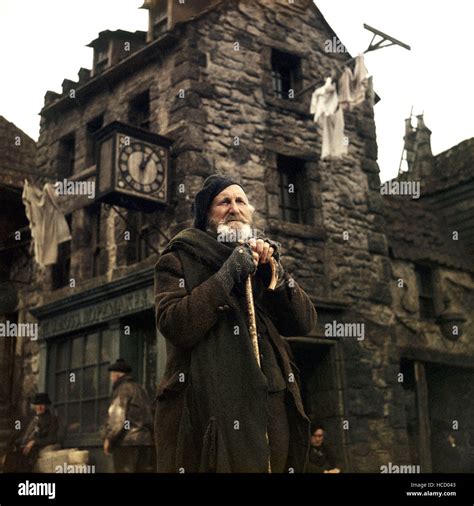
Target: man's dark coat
{"x": 211, "y": 411}
{"x": 42, "y": 429}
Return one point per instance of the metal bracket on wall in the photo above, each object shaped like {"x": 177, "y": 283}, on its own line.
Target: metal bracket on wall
{"x": 392, "y": 41}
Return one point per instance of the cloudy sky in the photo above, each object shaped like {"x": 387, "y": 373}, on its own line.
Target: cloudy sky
{"x": 43, "y": 42}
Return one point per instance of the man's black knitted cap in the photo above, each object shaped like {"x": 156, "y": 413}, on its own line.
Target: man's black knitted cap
{"x": 211, "y": 187}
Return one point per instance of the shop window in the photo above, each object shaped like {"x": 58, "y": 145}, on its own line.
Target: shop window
{"x": 79, "y": 381}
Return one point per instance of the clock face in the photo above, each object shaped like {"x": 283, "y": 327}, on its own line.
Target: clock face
{"x": 142, "y": 166}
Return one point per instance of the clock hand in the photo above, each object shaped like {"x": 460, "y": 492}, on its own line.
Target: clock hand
{"x": 145, "y": 162}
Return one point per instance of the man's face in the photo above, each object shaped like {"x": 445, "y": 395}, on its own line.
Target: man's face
{"x": 40, "y": 408}
{"x": 230, "y": 209}
{"x": 318, "y": 437}
{"x": 115, "y": 375}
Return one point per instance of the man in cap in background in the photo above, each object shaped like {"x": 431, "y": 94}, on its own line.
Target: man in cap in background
{"x": 217, "y": 410}
{"x": 41, "y": 431}
{"x": 128, "y": 431}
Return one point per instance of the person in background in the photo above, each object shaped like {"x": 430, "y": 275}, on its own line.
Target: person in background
{"x": 321, "y": 455}
{"x": 128, "y": 430}
{"x": 41, "y": 431}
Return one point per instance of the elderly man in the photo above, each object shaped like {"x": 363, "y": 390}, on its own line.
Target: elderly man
{"x": 217, "y": 409}
{"x": 128, "y": 430}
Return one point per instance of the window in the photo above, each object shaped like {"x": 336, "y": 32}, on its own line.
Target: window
{"x": 79, "y": 380}
{"x": 137, "y": 246}
{"x": 139, "y": 110}
{"x": 60, "y": 271}
{"x": 286, "y": 74}
{"x": 292, "y": 186}
{"x": 92, "y": 127}
{"x": 424, "y": 280}
{"x": 66, "y": 155}
{"x": 102, "y": 59}
{"x": 160, "y": 18}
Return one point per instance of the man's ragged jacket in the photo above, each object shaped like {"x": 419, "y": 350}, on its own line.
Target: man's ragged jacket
{"x": 130, "y": 419}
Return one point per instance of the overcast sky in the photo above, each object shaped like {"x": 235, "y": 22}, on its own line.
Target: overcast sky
{"x": 43, "y": 42}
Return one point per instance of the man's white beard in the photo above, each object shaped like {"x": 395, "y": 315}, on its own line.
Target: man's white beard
{"x": 234, "y": 231}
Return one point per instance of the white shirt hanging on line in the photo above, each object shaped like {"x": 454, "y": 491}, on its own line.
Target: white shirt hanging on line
{"x": 48, "y": 225}
{"x": 353, "y": 85}
{"x": 328, "y": 114}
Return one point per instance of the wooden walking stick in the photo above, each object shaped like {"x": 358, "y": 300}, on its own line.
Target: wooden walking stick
{"x": 253, "y": 320}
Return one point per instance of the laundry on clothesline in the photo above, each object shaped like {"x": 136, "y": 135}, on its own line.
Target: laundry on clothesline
{"x": 353, "y": 84}
{"x": 328, "y": 103}
{"x": 328, "y": 114}
{"x": 48, "y": 225}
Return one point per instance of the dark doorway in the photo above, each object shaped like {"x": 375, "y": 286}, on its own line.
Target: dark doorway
{"x": 320, "y": 390}
{"x": 139, "y": 348}
{"x": 451, "y": 408}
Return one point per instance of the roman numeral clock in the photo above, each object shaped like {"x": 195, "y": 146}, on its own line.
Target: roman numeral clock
{"x": 132, "y": 167}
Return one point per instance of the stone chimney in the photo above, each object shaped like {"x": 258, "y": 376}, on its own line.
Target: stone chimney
{"x": 423, "y": 164}
{"x": 417, "y": 145}
{"x": 409, "y": 139}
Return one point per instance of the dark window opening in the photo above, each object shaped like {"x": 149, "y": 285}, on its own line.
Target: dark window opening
{"x": 424, "y": 280}
{"x": 60, "y": 271}
{"x": 286, "y": 74}
{"x": 292, "y": 187}
{"x": 92, "y": 127}
{"x": 139, "y": 110}
{"x": 66, "y": 155}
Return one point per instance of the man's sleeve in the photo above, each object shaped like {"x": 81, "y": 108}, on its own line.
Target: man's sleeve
{"x": 185, "y": 318}
{"x": 290, "y": 308}
{"x": 115, "y": 426}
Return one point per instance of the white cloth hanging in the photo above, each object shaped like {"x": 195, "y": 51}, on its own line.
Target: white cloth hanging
{"x": 328, "y": 114}
{"x": 48, "y": 225}
{"x": 353, "y": 85}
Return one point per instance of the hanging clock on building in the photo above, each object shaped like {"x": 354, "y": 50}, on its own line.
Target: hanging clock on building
{"x": 132, "y": 167}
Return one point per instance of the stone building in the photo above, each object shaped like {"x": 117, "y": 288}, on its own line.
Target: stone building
{"x": 215, "y": 78}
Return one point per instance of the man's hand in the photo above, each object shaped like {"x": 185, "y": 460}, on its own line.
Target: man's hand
{"x": 106, "y": 447}
{"x": 28, "y": 447}
{"x": 262, "y": 249}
